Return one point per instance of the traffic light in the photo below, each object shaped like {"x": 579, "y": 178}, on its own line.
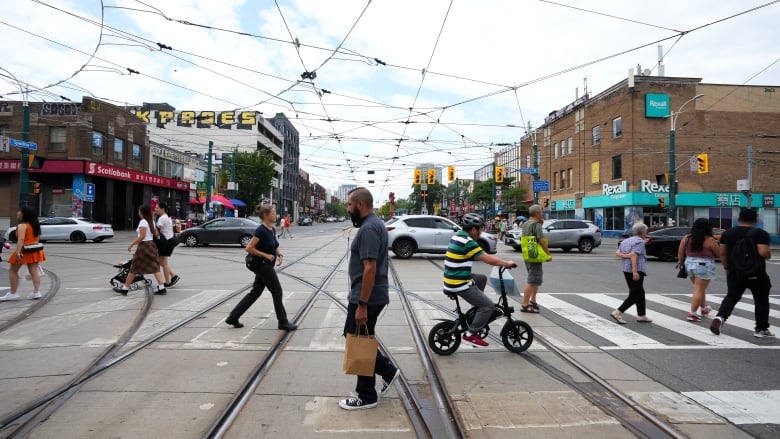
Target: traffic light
{"x": 417, "y": 176}
{"x": 662, "y": 203}
{"x": 546, "y": 202}
{"x": 450, "y": 174}
{"x": 499, "y": 174}
{"x": 36, "y": 188}
{"x": 702, "y": 163}
{"x": 431, "y": 176}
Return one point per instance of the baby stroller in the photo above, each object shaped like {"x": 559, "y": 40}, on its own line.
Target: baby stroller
{"x": 121, "y": 276}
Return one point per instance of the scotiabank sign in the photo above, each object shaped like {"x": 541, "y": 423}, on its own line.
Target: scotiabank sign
{"x": 106, "y": 171}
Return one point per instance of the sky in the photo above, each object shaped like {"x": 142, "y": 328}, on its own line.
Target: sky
{"x": 377, "y": 87}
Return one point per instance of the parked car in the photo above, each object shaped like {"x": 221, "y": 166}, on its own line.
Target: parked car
{"x": 304, "y": 221}
{"x": 331, "y": 219}
{"x": 69, "y": 229}
{"x": 412, "y": 234}
{"x": 565, "y": 234}
{"x": 664, "y": 242}
{"x": 220, "y": 231}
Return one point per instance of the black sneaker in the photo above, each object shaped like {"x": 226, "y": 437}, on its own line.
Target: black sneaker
{"x": 356, "y": 403}
{"x": 387, "y": 385}
{"x": 234, "y": 323}
{"x": 287, "y": 326}
{"x": 161, "y": 291}
{"x": 715, "y": 325}
{"x": 121, "y": 290}
{"x": 173, "y": 281}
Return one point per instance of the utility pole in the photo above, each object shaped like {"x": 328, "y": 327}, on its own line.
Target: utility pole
{"x": 25, "y": 157}
{"x": 208, "y": 179}
{"x": 532, "y": 133}
{"x": 233, "y": 171}
{"x": 672, "y": 219}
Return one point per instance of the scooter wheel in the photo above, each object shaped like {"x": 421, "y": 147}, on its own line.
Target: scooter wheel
{"x": 517, "y": 336}
{"x": 444, "y": 338}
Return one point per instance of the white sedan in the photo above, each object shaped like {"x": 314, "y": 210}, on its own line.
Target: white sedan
{"x": 69, "y": 229}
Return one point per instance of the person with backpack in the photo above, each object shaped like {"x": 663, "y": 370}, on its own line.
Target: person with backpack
{"x": 743, "y": 252}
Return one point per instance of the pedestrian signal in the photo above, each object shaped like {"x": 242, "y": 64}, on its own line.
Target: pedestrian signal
{"x": 36, "y": 188}
{"x": 499, "y": 174}
{"x": 450, "y": 173}
{"x": 702, "y": 163}
{"x": 546, "y": 202}
{"x": 417, "y": 176}
{"x": 431, "y": 176}
{"x": 662, "y": 203}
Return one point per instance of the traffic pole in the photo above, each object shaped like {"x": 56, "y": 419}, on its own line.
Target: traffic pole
{"x": 25, "y": 156}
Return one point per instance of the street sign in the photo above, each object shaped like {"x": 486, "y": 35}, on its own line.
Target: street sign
{"x": 90, "y": 195}
{"x": 22, "y": 144}
{"x": 541, "y": 186}
{"x": 529, "y": 170}
{"x": 4, "y": 145}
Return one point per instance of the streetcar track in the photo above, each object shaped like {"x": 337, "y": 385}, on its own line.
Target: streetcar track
{"x": 608, "y": 398}
{"x": 36, "y": 412}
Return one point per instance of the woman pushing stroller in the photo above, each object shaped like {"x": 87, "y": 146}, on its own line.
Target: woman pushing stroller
{"x": 145, "y": 259}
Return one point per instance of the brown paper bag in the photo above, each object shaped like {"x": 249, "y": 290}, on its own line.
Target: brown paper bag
{"x": 360, "y": 354}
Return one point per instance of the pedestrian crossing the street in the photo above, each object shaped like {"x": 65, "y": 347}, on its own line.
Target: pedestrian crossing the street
{"x": 669, "y": 329}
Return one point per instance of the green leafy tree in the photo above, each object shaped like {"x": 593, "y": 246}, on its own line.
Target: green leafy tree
{"x": 436, "y": 194}
{"x": 254, "y": 172}
{"x": 483, "y": 192}
{"x": 335, "y": 209}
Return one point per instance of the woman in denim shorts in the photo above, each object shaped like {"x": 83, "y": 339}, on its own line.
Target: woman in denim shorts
{"x": 699, "y": 250}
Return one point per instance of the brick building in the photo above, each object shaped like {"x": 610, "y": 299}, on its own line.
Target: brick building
{"x": 96, "y": 160}
{"x": 606, "y": 157}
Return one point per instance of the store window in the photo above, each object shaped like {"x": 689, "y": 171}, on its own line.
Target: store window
{"x": 617, "y": 167}
{"x": 57, "y": 139}
{"x": 617, "y": 127}
{"x": 119, "y": 149}
{"x": 98, "y": 142}
{"x": 614, "y": 218}
{"x": 720, "y": 217}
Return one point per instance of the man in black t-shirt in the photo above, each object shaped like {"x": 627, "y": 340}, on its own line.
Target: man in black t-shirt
{"x": 736, "y": 285}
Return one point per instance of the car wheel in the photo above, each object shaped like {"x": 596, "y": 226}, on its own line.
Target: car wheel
{"x": 404, "y": 248}
{"x": 585, "y": 245}
{"x": 190, "y": 240}
{"x": 98, "y": 239}
{"x": 668, "y": 253}
{"x": 78, "y": 237}
{"x": 245, "y": 240}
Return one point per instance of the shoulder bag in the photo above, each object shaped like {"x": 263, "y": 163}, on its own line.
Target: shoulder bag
{"x": 532, "y": 249}
{"x": 32, "y": 248}
{"x": 682, "y": 273}
{"x": 253, "y": 262}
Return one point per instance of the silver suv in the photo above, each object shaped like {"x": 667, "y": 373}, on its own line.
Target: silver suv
{"x": 410, "y": 234}
{"x": 565, "y": 234}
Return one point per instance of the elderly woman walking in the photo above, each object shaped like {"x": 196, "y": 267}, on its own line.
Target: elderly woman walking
{"x": 28, "y": 233}
{"x": 634, "y": 255}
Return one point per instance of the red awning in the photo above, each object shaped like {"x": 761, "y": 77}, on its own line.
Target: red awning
{"x": 197, "y": 201}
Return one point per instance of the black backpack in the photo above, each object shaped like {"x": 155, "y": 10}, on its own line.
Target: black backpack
{"x": 744, "y": 259}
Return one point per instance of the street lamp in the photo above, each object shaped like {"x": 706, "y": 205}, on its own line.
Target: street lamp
{"x": 672, "y": 172}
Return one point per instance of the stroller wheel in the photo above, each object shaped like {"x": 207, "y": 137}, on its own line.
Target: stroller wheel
{"x": 134, "y": 286}
{"x": 148, "y": 282}
{"x": 115, "y": 283}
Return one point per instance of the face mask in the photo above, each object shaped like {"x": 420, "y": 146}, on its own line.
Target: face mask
{"x": 355, "y": 217}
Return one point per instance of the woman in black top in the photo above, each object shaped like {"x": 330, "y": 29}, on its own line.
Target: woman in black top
{"x": 264, "y": 245}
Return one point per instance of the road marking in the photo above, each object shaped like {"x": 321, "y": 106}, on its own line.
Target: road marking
{"x": 742, "y": 407}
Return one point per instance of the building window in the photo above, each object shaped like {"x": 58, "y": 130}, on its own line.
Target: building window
{"x": 614, "y": 218}
{"x": 556, "y": 151}
{"x": 596, "y": 135}
{"x": 571, "y": 145}
{"x": 57, "y": 139}
{"x": 563, "y": 180}
{"x": 528, "y": 161}
{"x": 119, "y": 149}
{"x": 555, "y": 181}
{"x": 571, "y": 176}
{"x": 138, "y": 156}
{"x": 617, "y": 127}
{"x": 617, "y": 167}
{"x": 98, "y": 140}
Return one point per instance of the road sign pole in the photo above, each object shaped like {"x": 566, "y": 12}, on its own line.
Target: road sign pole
{"x": 24, "y": 159}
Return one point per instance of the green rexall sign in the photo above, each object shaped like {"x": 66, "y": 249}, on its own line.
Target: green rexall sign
{"x": 656, "y": 105}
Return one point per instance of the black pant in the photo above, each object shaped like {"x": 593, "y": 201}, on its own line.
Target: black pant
{"x": 759, "y": 287}
{"x": 366, "y": 385}
{"x": 264, "y": 277}
{"x": 636, "y": 294}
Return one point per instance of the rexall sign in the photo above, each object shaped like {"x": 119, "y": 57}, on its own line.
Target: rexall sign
{"x": 656, "y": 105}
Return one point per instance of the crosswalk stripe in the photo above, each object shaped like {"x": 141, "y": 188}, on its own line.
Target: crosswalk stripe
{"x": 699, "y": 333}
{"x": 620, "y": 335}
{"x": 733, "y": 320}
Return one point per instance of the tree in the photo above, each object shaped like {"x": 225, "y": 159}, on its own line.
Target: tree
{"x": 335, "y": 209}
{"x": 254, "y": 172}
{"x": 483, "y": 192}
{"x": 436, "y": 193}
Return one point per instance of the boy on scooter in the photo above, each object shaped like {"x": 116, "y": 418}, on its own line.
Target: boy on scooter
{"x": 462, "y": 250}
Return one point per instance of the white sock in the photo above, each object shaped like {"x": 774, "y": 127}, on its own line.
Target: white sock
{"x": 468, "y": 334}
{"x": 160, "y": 286}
